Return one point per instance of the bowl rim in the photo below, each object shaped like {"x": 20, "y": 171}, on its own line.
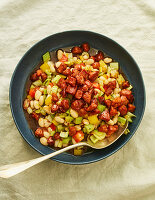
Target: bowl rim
{"x": 69, "y": 162}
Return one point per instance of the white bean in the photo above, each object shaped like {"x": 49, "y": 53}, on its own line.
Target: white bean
{"x": 37, "y": 95}
{"x": 47, "y": 109}
{"x": 41, "y": 122}
{"x": 26, "y": 104}
{"x": 115, "y": 119}
{"x": 43, "y": 141}
{"x": 85, "y": 55}
{"x": 89, "y": 62}
{"x": 59, "y": 54}
{"x": 32, "y": 104}
{"x": 117, "y": 90}
{"x": 58, "y": 64}
{"x": 41, "y": 100}
{"x": 36, "y": 104}
{"x": 59, "y": 120}
{"x": 114, "y": 73}
{"x": 78, "y": 127}
{"x": 46, "y": 134}
{"x": 41, "y": 89}
{"x": 75, "y": 59}
{"x": 110, "y": 122}
{"x": 29, "y": 110}
{"x": 51, "y": 64}
{"x": 47, "y": 123}
{"x": 85, "y": 121}
{"x": 73, "y": 113}
{"x": 49, "y": 89}
{"x": 70, "y": 55}
{"x": 107, "y": 60}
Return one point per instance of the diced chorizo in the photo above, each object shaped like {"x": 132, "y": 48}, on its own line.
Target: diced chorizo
{"x": 99, "y": 56}
{"x": 101, "y": 99}
{"x": 56, "y": 136}
{"x": 131, "y": 99}
{"x": 125, "y": 84}
{"x": 111, "y": 130}
{"x": 105, "y": 116}
{"x": 34, "y": 77}
{"x": 103, "y": 128}
{"x": 84, "y": 73}
{"x": 61, "y": 68}
{"x": 88, "y": 83}
{"x": 71, "y": 80}
{"x": 91, "y": 107}
{"x": 65, "y": 104}
{"x": 50, "y": 141}
{"x": 75, "y": 72}
{"x": 43, "y": 76}
{"x": 63, "y": 93}
{"x": 93, "y": 75}
{"x": 82, "y": 112}
{"x": 78, "y": 67}
{"x": 77, "y": 104}
{"x": 94, "y": 101}
{"x": 124, "y": 100}
{"x": 62, "y": 83}
{"x": 61, "y": 110}
{"x": 113, "y": 111}
{"x": 79, "y": 94}
{"x": 108, "y": 91}
{"x": 71, "y": 90}
{"x": 80, "y": 79}
{"x": 131, "y": 107}
{"x": 54, "y": 108}
{"x": 54, "y": 97}
{"x": 87, "y": 97}
{"x": 95, "y": 111}
{"x": 72, "y": 130}
{"x": 35, "y": 116}
{"x": 123, "y": 110}
{"x": 107, "y": 102}
{"x": 39, "y": 132}
{"x": 96, "y": 65}
{"x": 116, "y": 102}
{"x": 76, "y": 50}
{"x": 126, "y": 93}
{"x": 85, "y": 88}
{"x": 85, "y": 47}
{"x": 67, "y": 72}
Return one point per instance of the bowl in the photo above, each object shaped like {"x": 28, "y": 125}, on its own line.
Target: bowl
{"x": 64, "y": 39}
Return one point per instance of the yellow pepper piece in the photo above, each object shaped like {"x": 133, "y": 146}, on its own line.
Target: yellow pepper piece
{"x": 78, "y": 152}
{"x": 48, "y": 100}
{"x": 81, "y": 58}
{"x": 93, "y": 119}
{"x": 107, "y": 97}
{"x": 78, "y": 61}
{"x": 55, "y": 122}
{"x": 29, "y": 97}
{"x": 45, "y": 67}
{"x": 103, "y": 66}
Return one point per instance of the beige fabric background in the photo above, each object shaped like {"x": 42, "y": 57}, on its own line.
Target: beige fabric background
{"x": 129, "y": 173}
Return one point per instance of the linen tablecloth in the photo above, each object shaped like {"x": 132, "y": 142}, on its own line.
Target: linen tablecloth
{"x": 129, "y": 173}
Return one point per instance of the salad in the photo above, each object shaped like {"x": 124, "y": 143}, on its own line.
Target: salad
{"x": 78, "y": 96}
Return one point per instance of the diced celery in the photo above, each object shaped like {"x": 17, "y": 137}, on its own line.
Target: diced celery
{"x": 129, "y": 88}
{"x": 46, "y": 82}
{"x": 99, "y": 135}
{"x": 48, "y": 72}
{"x": 56, "y": 143}
{"x": 127, "y": 131}
{"x": 37, "y": 83}
{"x": 128, "y": 118}
{"x": 93, "y": 120}
{"x": 68, "y": 111}
{"x": 42, "y": 111}
{"x": 64, "y": 134}
{"x": 55, "y": 122}
{"x": 120, "y": 79}
{"x": 45, "y": 67}
{"x": 62, "y": 76}
{"x": 52, "y": 115}
{"x": 69, "y": 119}
{"x": 60, "y": 144}
{"x": 103, "y": 66}
{"x": 62, "y": 115}
{"x": 89, "y": 127}
{"x": 45, "y": 91}
{"x": 37, "y": 111}
{"x": 84, "y": 130}
{"x": 93, "y": 139}
{"x": 46, "y": 57}
{"x": 56, "y": 79}
{"x": 32, "y": 86}
{"x": 131, "y": 114}
{"x": 60, "y": 128}
{"x": 78, "y": 152}
{"x": 78, "y": 120}
{"x": 114, "y": 65}
{"x": 101, "y": 107}
{"x": 49, "y": 118}
{"x": 52, "y": 133}
{"x": 66, "y": 140}
{"x": 54, "y": 89}
{"x": 122, "y": 120}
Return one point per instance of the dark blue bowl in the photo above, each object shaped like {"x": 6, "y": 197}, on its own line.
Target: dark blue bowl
{"x": 64, "y": 39}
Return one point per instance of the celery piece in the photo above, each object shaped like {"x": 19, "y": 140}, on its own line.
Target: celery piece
{"x": 60, "y": 128}
{"x": 69, "y": 119}
{"x": 127, "y": 131}
{"x": 84, "y": 130}
{"x": 101, "y": 107}
{"x": 100, "y": 70}
{"x": 78, "y": 120}
{"x": 62, "y": 115}
{"x": 114, "y": 65}
{"x": 129, "y": 88}
{"x": 131, "y": 114}
{"x": 43, "y": 112}
{"x": 46, "y": 82}
{"x": 60, "y": 144}
{"x": 122, "y": 120}
{"x": 78, "y": 152}
{"x": 56, "y": 79}
{"x": 46, "y": 57}
{"x": 52, "y": 115}
{"x": 37, "y": 83}
{"x": 99, "y": 135}
{"x": 62, "y": 76}
{"x": 89, "y": 127}
{"x": 56, "y": 143}
{"x": 68, "y": 111}
{"x": 64, "y": 134}
{"x": 52, "y": 133}
{"x": 66, "y": 140}
{"x": 128, "y": 118}
{"x": 93, "y": 139}
{"x": 48, "y": 72}
{"x": 37, "y": 111}
{"x": 54, "y": 89}
{"x": 45, "y": 91}
{"x": 32, "y": 86}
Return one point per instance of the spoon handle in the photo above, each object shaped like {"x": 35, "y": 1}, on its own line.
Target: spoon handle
{"x": 7, "y": 171}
